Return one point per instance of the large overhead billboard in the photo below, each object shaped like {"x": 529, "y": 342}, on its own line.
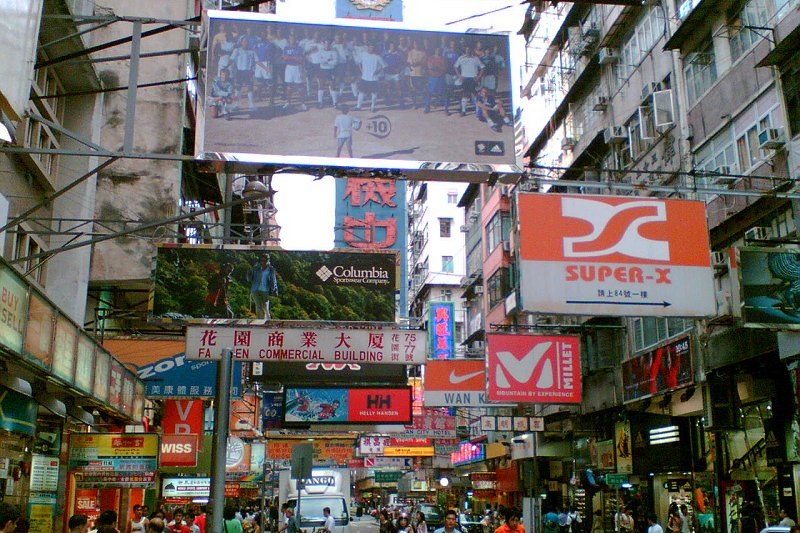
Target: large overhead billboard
{"x": 769, "y": 284}
{"x": 663, "y": 369}
{"x": 610, "y": 255}
{"x": 204, "y": 281}
{"x": 356, "y": 94}
{"x": 455, "y": 383}
{"x": 343, "y": 405}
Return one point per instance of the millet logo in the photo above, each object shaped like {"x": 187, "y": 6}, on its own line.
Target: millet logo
{"x": 324, "y": 273}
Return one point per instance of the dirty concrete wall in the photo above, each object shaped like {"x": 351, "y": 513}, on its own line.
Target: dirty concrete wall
{"x": 140, "y": 190}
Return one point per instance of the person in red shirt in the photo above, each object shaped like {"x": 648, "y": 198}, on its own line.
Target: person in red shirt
{"x": 437, "y": 68}
{"x": 200, "y": 519}
{"x": 511, "y": 524}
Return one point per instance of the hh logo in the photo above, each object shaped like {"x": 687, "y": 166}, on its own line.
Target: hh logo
{"x": 615, "y": 228}
{"x": 537, "y": 363}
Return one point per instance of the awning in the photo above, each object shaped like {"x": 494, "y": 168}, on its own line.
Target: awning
{"x": 16, "y": 384}
{"x": 56, "y": 407}
{"x": 783, "y": 50}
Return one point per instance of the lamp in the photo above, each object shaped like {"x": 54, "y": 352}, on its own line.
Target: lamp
{"x": 16, "y": 384}
{"x": 444, "y": 481}
{"x": 254, "y": 187}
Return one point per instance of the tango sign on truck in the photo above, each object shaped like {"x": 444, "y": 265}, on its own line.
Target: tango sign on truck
{"x": 329, "y": 487}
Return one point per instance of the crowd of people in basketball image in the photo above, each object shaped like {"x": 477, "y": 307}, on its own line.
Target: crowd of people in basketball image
{"x": 269, "y": 69}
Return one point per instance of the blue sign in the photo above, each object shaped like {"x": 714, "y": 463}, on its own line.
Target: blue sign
{"x": 441, "y": 324}
{"x": 178, "y": 377}
{"x": 272, "y": 403}
{"x": 371, "y": 215}
{"x": 370, "y": 9}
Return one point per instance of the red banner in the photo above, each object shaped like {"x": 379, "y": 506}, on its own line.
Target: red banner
{"x": 179, "y": 450}
{"x": 183, "y": 417}
{"x": 533, "y": 368}
{"x": 386, "y": 405}
{"x": 410, "y": 441}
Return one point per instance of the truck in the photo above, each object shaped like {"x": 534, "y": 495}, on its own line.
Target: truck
{"x": 327, "y": 487}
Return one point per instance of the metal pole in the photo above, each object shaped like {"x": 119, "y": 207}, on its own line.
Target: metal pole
{"x": 265, "y": 478}
{"x": 133, "y": 79}
{"x": 219, "y": 445}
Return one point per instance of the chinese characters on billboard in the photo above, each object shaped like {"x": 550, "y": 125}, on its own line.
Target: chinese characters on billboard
{"x": 442, "y": 325}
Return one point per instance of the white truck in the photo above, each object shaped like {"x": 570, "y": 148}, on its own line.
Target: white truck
{"x": 327, "y": 487}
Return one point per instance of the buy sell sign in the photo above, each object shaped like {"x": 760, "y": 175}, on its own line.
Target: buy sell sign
{"x": 610, "y": 255}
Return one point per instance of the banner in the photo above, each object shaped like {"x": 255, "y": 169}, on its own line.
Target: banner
{"x": 14, "y": 308}
{"x": 184, "y": 417}
{"x": 328, "y": 373}
{"x": 114, "y": 460}
{"x": 533, "y": 368}
{"x": 179, "y": 450}
{"x": 202, "y": 281}
{"x": 185, "y": 487}
{"x": 343, "y": 406}
{"x": 661, "y": 370}
{"x": 769, "y": 288}
{"x": 612, "y": 255}
{"x": 326, "y": 451}
{"x": 329, "y": 345}
{"x": 441, "y": 323}
{"x": 370, "y": 9}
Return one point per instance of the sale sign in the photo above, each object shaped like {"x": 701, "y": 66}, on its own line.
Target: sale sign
{"x": 534, "y": 368}
{"x": 610, "y": 255}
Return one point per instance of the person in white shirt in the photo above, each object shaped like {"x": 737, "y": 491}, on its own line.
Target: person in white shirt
{"x": 654, "y": 527}
{"x": 343, "y": 128}
{"x": 326, "y": 59}
{"x": 469, "y": 68}
{"x": 785, "y": 519}
{"x": 371, "y": 67}
{"x": 330, "y": 523}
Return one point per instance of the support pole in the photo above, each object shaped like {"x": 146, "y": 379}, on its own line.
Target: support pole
{"x": 219, "y": 446}
{"x": 133, "y": 80}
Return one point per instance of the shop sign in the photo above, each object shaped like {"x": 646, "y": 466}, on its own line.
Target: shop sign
{"x": 176, "y": 377}
{"x": 179, "y": 450}
{"x": 408, "y": 451}
{"x": 13, "y": 309}
{"x": 387, "y": 477}
{"x": 410, "y": 441}
{"x": 442, "y": 326}
{"x": 114, "y": 460}
{"x": 468, "y": 452}
{"x": 321, "y": 345}
{"x": 84, "y": 366}
{"x": 507, "y": 479}
{"x": 616, "y": 481}
{"x": 661, "y": 370}
{"x": 335, "y": 451}
{"x": 372, "y": 445}
{"x": 483, "y": 480}
{"x": 185, "y": 487}
{"x": 614, "y": 255}
{"x": 183, "y": 417}
{"x": 41, "y": 511}
{"x": 321, "y": 405}
{"x": 102, "y": 369}
{"x": 431, "y": 424}
{"x": 64, "y": 349}
{"x": 115, "y": 385}
{"x": 534, "y": 368}
{"x": 39, "y": 331}
{"x": 44, "y": 473}
{"x": 115, "y": 480}
{"x": 17, "y": 412}
{"x": 232, "y": 490}
{"x": 456, "y": 383}
{"x": 387, "y": 462}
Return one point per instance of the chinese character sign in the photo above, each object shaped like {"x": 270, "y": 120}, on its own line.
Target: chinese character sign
{"x": 441, "y": 329}
{"x": 371, "y": 215}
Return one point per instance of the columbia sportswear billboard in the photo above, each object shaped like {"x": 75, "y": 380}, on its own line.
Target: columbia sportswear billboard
{"x": 242, "y": 282}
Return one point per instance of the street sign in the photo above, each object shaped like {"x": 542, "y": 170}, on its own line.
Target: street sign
{"x": 387, "y": 477}
{"x": 615, "y": 481}
{"x": 302, "y": 460}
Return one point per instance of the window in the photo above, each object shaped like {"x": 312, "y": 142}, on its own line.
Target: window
{"x": 791, "y": 90}
{"x": 639, "y": 43}
{"x": 719, "y": 156}
{"x": 747, "y": 145}
{"x": 700, "y": 70}
{"x": 452, "y": 197}
{"x": 447, "y": 264}
{"x": 649, "y": 331}
{"x": 497, "y": 287}
{"x": 497, "y": 231}
{"x": 26, "y": 245}
{"x": 744, "y": 27}
{"x": 445, "y": 226}
{"x": 447, "y": 295}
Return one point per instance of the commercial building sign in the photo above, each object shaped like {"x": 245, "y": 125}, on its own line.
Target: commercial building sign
{"x": 456, "y": 383}
{"x": 609, "y": 255}
{"x": 371, "y": 215}
{"x": 533, "y": 368}
{"x": 114, "y": 460}
{"x": 343, "y": 406}
{"x": 319, "y": 345}
{"x": 441, "y": 323}
{"x": 375, "y": 128}
{"x": 769, "y": 288}
{"x": 661, "y": 370}
{"x": 203, "y": 281}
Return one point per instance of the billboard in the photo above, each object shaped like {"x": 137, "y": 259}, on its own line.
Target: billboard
{"x": 310, "y": 345}
{"x": 441, "y": 323}
{"x": 114, "y": 460}
{"x": 370, "y": 9}
{"x": 455, "y": 383}
{"x": 609, "y": 255}
{"x": 204, "y": 281}
{"x": 664, "y": 369}
{"x": 371, "y": 215}
{"x": 356, "y": 94}
{"x": 344, "y": 406}
{"x": 328, "y": 373}
{"x": 769, "y": 288}
{"x": 533, "y": 368}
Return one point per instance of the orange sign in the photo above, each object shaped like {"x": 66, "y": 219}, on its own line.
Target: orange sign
{"x": 610, "y": 255}
{"x": 338, "y": 450}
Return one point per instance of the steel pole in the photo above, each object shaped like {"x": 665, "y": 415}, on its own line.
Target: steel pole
{"x": 219, "y": 445}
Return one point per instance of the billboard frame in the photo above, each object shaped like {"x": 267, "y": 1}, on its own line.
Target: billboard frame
{"x": 471, "y": 171}
{"x": 346, "y": 390}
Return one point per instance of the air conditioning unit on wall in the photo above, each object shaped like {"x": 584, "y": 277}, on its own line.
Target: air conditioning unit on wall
{"x": 615, "y": 135}
{"x": 757, "y": 233}
{"x": 607, "y": 56}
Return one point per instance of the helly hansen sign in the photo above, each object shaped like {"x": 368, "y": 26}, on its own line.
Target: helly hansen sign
{"x": 608, "y": 255}
{"x": 533, "y": 368}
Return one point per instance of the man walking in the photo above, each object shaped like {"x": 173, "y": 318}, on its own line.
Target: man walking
{"x": 263, "y": 284}
{"x": 450, "y": 522}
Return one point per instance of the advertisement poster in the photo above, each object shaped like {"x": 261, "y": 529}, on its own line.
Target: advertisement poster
{"x": 614, "y": 255}
{"x": 661, "y": 370}
{"x": 272, "y": 410}
{"x": 119, "y": 460}
{"x": 39, "y": 335}
{"x": 453, "y": 383}
{"x": 441, "y": 322}
{"x": 533, "y": 368}
{"x": 370, "y": 9}
{"x": 382, "y": 113}
{"x": 623, "y": 447}
{"x": 200, "y": 281}
{"x": 329, "y": 405}
{"x": 14, "y": 308}
{"x": 41, "y": 510}
{"x": 179, "y": 450}
{"x": 327, "y": 451}
{"x": 371, "y": 215}
{"x": 769, "y": 288}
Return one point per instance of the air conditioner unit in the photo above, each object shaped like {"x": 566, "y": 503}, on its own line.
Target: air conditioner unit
{"x": 718, "y": 259}
{"x": 506, "y": 246}
{"x": 757, "y": 233}
{"x": 591, "y": 31}
{"x": 721, "y": 175}
{"x": 649, "y": 88}
{"x": 478, "y": 290}
{"x": 568, "y": 143}
{"x": 463, "y": 229}
{"x": 771, "y": 139}
{"x": 601, "y": 103}
{"x": 607, "y": 56}
{"x": 615, "y": 135}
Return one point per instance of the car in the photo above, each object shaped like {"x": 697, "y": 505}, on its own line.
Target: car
{"x": 776, "y": 529}
{"x": 434, "y": 515}
{"x": 469, "y": 523}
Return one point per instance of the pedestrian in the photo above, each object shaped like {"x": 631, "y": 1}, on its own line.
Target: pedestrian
{"x": 421, "y": 526}
{"x": 785, "y": 519}
{"x": 386, "y": 525}
{"x": 177, "y": 521}
{"x": 403, "y": 525}
{"x": 138, "y": 522}
{"x": 330, "y": 522}
{"x": 573, "y": 519}
{"x": 597, "y": 522}
{"x": 155, "y": 525}
{"x": 450, "y": 522}
{"x": 106, "y": 522}
{"x": 230, "y": 523}
{"x": 685, "y": 522}
{"x": 512, "y": 523}
{"x": 653, "y": 527}
{"x": 78, "y": 523}
{"x": 674, "y": 522}
{"x": 623, "y": 523}
{"x": 550, "y": 522}
{"x": 190, "y": 521}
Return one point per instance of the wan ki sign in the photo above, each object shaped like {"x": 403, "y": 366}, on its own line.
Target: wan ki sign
{"x": 609, "y": 255}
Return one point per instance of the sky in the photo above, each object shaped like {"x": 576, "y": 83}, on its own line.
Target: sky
{"x": 306, "y": 203}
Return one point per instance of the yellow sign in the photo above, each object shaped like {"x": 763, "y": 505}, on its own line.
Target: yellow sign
{"x": 338, "y": 450}
{"x": 408, "y": 451}
{"x": 41, "y": 517}
{"x": 142, "y": 445}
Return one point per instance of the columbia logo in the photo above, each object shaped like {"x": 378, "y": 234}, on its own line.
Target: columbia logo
{"x": 324, "y": 273}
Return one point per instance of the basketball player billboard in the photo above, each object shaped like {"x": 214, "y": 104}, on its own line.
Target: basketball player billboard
{"x": 356, "y": 94}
